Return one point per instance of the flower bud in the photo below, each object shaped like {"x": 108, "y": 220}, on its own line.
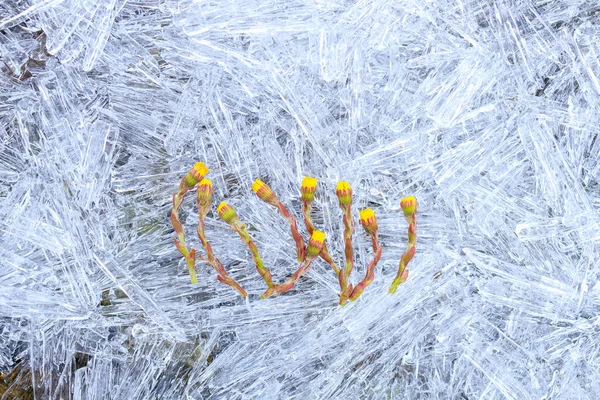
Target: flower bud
{"x": 308, "y": 188}
{"x": 409, "y": 205}
{"x": 315, "y": 244}
{"x": 344, "y": 193}
{"x": 227, "y": 213}
{"x": 195, "y": 175}
{"x": 204, "y": 193}
{"x": 368, "y": 220}
{"x": 264, "y": 192}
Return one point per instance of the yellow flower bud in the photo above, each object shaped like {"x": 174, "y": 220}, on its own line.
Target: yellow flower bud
{"x": 344, "y": 193}
{"x": 409, "y": 205}
{"x": 308, "y": 188}
{"x": 204, "y": 193}
{"x": 227, "y": 213}
{"x": 315, "y": 244}
{"x": 264, "y": 192}
{"x": 368, "y": 220}
{"x": 195, "y": 174}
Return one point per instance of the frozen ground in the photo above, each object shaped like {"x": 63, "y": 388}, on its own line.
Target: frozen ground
{"x": 487, "y": 111}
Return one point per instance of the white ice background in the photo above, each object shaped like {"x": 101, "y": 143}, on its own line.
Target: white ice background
{"x": 488, "y": 111}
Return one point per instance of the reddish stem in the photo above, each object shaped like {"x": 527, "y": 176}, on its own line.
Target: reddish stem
{"x": 300, "y": 248}
{"x": 370, "y": 273}
{"x": 345, "y": 272}
{"x": 289, "y": 284}
{"x": 310, "y": 227}
{"x": 189, "y": 255}
{"x": 222, "y": 276}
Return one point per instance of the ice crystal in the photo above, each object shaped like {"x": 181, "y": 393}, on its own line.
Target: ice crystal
{"x": 485, "y": 111}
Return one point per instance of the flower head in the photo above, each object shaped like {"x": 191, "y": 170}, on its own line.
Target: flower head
{"x": 264, "y": 192}
{"x": 195, "y": 175}
{"x": 409, "y": 205}
{"x": 204, "y": 193}
{"x": 227, "y": 213}
{"x": 344, "y": 193}
{"x": 368, "y": 220}
{"x": 315, "y": 244}
{"x": 308, "y": 188}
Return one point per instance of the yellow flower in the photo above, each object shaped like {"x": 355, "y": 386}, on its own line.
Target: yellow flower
{"x": 227, "y": 213}
{"x": 409, "y": 205}
{"x": 344, "y": 193}
{"x": 368, "y": 220}
{"x": 195, "y": 174}
{"x": 204, "y": 193}
{"x": 315, "y": 244}
{"x": 264, "y": 192}
{"x": 308, "y": 188}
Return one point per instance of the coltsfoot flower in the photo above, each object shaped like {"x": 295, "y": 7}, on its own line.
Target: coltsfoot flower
{"x": 195, "y": 175}
{"x": 368, "y": 220}
{"x": 227, "y": 213}
{"x": 308, "y": 189}
{"x": 315, "y": 244}
{"x": 306, "y": 253}
{"x": 264, "y": 192}
{"x": 409, "y": 205}
{"x": 344, "y": 193}
{"x": 204, "y": 193}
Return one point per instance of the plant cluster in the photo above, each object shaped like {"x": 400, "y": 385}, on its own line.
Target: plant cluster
{"x": 306, "y": 253}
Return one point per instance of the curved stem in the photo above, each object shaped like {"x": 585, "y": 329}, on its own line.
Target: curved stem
{"x": 370, "y": 273}
{"x": 189, "y": 255}
{"x": 241, "y": 230}
{"x": 344, "y": 276}
{"x": 310, "y": 227}
{"x": 300, "y": 248}
{"x": 222, "y": 276}
{"x": 411, "y": 248}
{"x": 291, "y": 282}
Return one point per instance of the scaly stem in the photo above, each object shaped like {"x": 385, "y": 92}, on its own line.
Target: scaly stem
{"x": 241, "y": 230}
{"x": 289, "y": 284}
{"x": 189, "y": 255}
{"x": 310, "y": 227}
{"x": 411, "y": 248}
{"x": 315, "y": 245}
{"x": 222, "y": 275}
{"x": 191, "y": 261}
{"x": 264, "y": 192}
{"x": 370, "y": 273}
{"x": 300, "y": 249}
{"x": 344, "y": 276}
{"x": 349, "y": 253}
